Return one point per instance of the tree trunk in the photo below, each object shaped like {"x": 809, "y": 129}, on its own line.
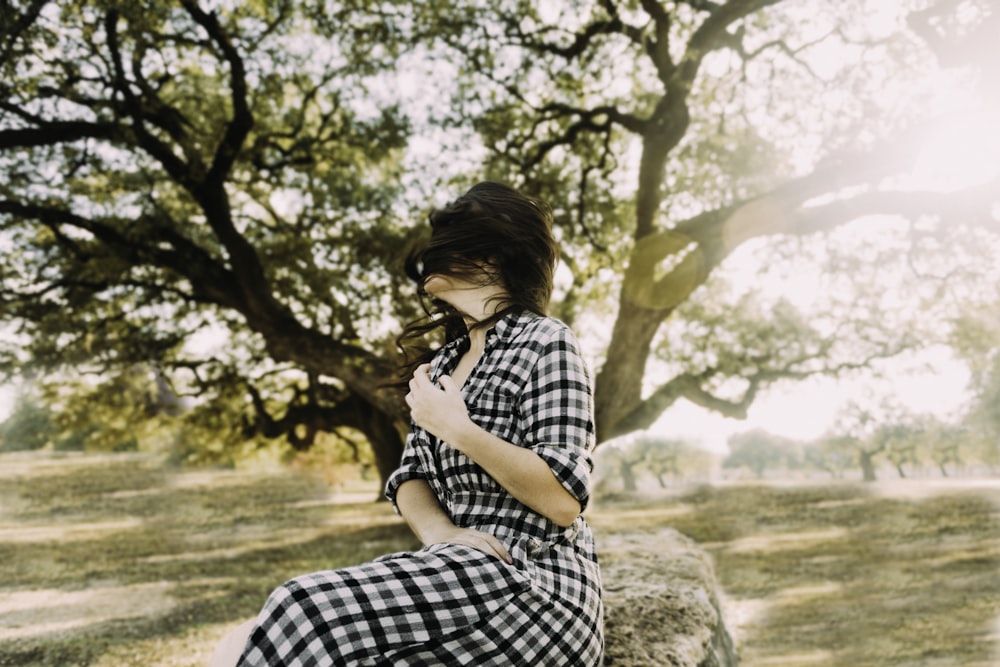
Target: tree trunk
{"x": 618, "y": 388}
{"x": 628, "y": 477}
{"x": 382, "y": 431}
{"x": 867, "y": 466}
{"x": 387, "y": 444}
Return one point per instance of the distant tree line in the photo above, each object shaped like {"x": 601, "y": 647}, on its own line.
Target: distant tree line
{"x": 922, "y": 447}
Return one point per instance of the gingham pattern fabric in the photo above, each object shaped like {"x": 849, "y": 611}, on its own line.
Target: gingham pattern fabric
{"x": 449, "y": 604}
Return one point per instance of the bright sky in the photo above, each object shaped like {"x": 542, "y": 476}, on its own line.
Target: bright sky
{"x": 805, "y": 410}
{"x": 958, "y": 152}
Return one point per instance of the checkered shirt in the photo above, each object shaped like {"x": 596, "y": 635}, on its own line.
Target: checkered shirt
{"x": 449, "y": 604}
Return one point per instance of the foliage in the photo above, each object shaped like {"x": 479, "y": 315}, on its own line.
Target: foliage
{"x": 178, "y": 178}
{"x": 225, "y": 195}
{"x": 650, "y": 454}
{"x": 832, "y": 454}
{"x": 29, "y": 426}
{"x": 976, "y": 338}
{"x": 871, "y": 432}
{"x": 630, "y": 114}
{"x": 760, "y": 451}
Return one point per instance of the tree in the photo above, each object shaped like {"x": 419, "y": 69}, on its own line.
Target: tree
{"x": 173, "y": 173}
{"x": 945, "y": 444}
{"x": 902, "y": 441}
{"x": 666, "y": 87}
{"x": 833, "y": 454}
{"x": 875, "y": 428}
{"x": 761, "y": 451}
{"x": 976, "y": 339}
{"x": 29, "y": 426}
{"x": 653, "y": 454}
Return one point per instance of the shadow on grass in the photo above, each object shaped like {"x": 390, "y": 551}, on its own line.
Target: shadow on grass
{"x": 99, "y": 552}
{"x": 114, "y": 560}
{"x": 844, "y": 575}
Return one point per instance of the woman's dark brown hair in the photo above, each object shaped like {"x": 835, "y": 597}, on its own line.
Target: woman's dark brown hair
{"x": 491, "y": 234}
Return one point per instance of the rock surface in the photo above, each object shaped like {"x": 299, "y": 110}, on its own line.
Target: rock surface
{"x": 661, "y": 603}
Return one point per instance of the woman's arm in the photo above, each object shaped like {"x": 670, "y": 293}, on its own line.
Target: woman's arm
{"x": 431, "y": 524}
{"x": 522, "y": 472}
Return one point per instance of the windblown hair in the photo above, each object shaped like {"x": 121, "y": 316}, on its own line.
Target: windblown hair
{"x": 491, "y": 234}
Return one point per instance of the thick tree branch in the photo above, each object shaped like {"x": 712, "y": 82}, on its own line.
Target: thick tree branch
{"x": 711, "y": 34}
{"x": 534, "y": 41}
{"x": 209, "y": 279}
{"x": 241, "y": 123}
{"x": 598, "y": 117}
{"x": 13, "y": 29}
{"x": 634, "y": 33}
{"x": 57, "y": 132}
{"x": 658, "y": 47}
{"x": 185, "y": 174}
{"x": 307, "y": 414}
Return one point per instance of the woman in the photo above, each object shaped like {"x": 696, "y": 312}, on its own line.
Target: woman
{"x": 493, "y": 479}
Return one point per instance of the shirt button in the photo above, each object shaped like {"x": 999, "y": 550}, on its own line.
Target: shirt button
{"x": 534, "y": 547}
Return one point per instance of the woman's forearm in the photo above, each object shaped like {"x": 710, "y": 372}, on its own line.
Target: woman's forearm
{"x": 420, "y": 509}
{"x": 431, "y": 524}
{"x": 441, "y": 411}
{"x": 522, "y": 472}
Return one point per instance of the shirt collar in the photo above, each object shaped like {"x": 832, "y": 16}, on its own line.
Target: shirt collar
{"x": 510, "y": 325}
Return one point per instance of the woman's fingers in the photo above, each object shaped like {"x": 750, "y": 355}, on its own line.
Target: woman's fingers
{"x": 499, "y": 549}
{"x": 447, "y": 383}
{"x": 484, "y": 542}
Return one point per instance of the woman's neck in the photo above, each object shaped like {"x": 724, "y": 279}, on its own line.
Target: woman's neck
{"x": 477, "y": 337}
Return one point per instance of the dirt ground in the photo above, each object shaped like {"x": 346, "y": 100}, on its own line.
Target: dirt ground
{"x": 113, "y": 560}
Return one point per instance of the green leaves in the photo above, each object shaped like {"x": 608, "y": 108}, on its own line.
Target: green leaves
{"x": 260, "y": 169}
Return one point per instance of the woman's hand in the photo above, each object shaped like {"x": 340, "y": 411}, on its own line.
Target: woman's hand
{"x": 476, "y": 539}
{"x": 438, "y": 409}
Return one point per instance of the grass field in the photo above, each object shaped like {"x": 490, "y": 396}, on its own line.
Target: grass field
{"x": 111, "y": 561}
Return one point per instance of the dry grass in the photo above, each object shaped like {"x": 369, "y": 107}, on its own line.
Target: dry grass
{"x": 115, "y": 560}
{"x": 897, "y": 573}
{"x": 112, "y": 561}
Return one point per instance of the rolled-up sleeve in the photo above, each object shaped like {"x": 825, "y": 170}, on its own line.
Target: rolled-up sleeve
{"x": 556, "y": 409}
{"x": 409, "y": 468}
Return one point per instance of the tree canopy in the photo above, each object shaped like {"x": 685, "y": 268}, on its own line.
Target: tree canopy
{"x": 250, "y": 173}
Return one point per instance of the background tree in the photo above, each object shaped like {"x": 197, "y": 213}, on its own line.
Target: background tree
{"x": 675, "y": 459}
{"x": 30, "y": 425}
{"x": 945, "y": 445}
{"x": 875, "y": 429}
{"x": 650, "y": 454}
{"x": 760, "y": 451}
{"x": 832, "y": 454}
{"x": 902, "y": 444}
{"x": 976, "y": 339}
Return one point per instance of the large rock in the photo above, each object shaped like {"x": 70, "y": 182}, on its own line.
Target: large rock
{"x": 661, "y": 603}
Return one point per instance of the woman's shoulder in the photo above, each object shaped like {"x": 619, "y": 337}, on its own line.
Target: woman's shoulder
{"x": 543, "y": 329}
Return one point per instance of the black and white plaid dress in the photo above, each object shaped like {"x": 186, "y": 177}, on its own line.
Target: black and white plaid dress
{"x": 449, "y": 604}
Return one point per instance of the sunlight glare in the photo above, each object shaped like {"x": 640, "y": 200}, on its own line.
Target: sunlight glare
{"x": 960, "y": 153}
